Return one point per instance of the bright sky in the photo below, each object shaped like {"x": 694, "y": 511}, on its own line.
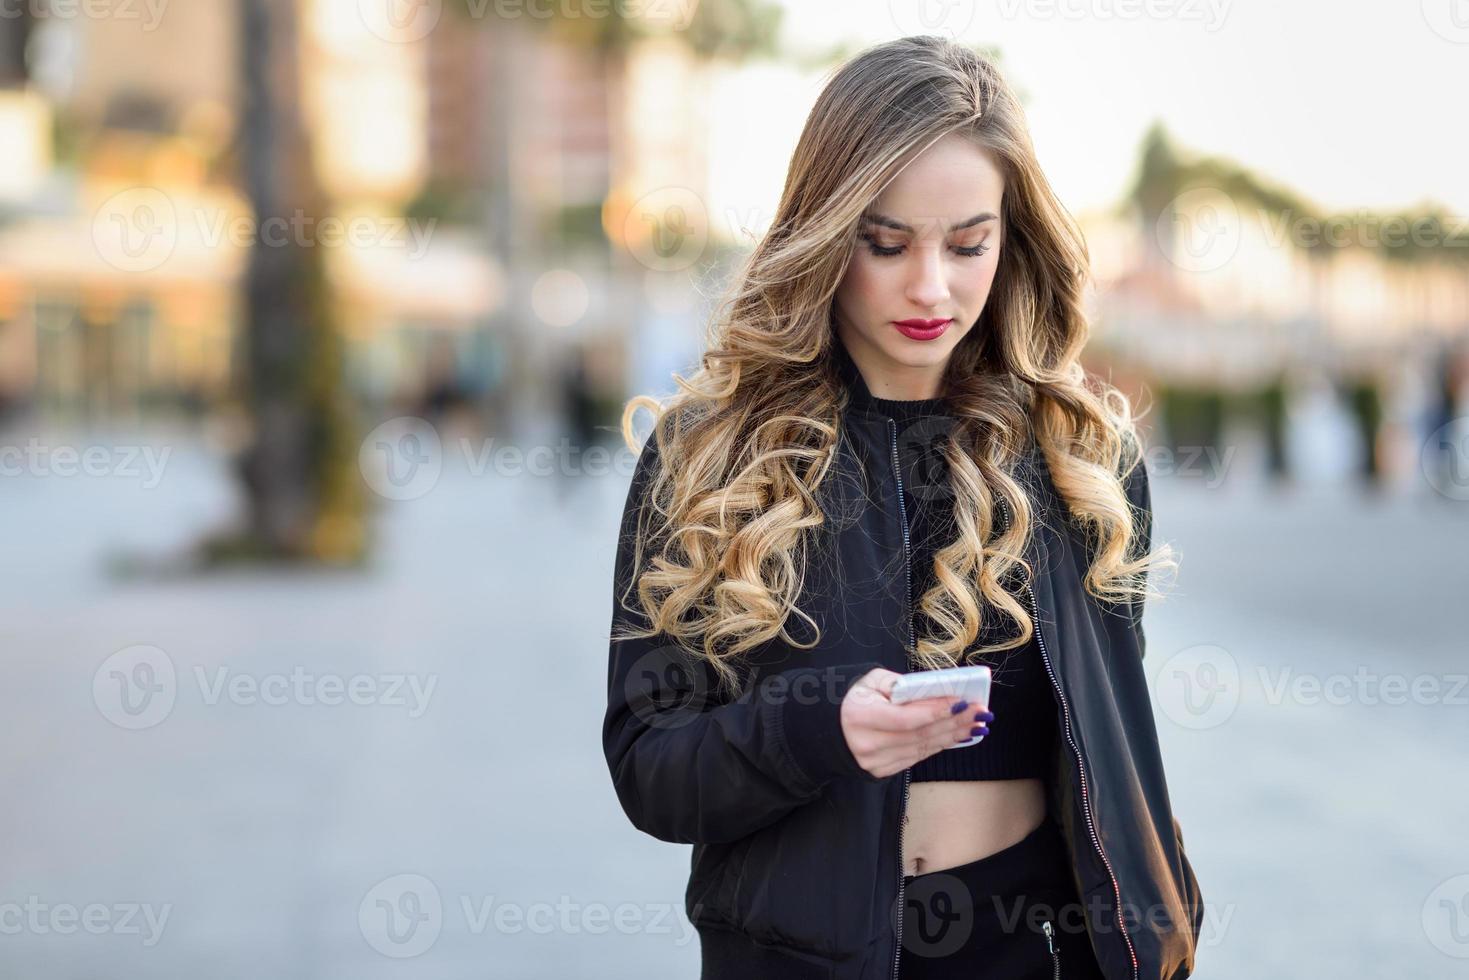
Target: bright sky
{"x": 1351, "y": 105}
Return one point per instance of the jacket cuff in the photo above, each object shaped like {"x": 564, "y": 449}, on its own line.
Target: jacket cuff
{"x": 810, "y": 719}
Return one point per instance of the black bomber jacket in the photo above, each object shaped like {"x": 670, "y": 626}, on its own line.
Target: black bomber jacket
{"x": 796, "y": 866}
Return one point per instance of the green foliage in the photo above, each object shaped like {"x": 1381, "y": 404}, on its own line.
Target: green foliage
{"x": 66, "y": 137}
{"x": 444, "y": 203}
{"x": 1364, "y": 399}
{"x": 1193, "y": 415}
{"x": 734, "y": 29}
{"x": 577, "y": 224}
{"x": 1163, "y": 173}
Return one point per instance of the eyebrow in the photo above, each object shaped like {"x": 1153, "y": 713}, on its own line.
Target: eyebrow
{"x": 873, "y": 217}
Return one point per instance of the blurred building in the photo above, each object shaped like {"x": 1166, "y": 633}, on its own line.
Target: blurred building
{"x": 123, "y": 236}
{"x": 1233, "y": 302}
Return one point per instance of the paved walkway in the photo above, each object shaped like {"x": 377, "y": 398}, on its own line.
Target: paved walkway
{"x": 349, "y": 775}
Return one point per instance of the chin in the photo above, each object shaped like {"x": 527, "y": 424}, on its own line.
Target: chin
{"x": 912, "y": 353}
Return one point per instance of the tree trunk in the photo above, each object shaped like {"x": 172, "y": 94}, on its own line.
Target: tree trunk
{"x": 15, "y": 31}
{"x": 304, "y": 500}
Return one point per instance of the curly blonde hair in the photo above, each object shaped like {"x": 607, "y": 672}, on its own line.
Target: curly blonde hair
{"x": 744, "y": 446}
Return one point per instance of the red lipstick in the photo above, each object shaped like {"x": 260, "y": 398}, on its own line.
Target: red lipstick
{"x": 921, "y": 329}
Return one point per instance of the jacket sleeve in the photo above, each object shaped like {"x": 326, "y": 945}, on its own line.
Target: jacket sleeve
{"x": 691, "y": 767}
{"x": 1140, "y": 496}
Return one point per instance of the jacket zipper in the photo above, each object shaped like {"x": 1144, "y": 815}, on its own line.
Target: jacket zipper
{"x": 1081, "y": 765}
{"x": 912, "y": 641}
{"x": 1051, "y": 948}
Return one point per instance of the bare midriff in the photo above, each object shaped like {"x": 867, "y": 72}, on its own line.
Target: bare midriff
{"x": 950, "y": 823}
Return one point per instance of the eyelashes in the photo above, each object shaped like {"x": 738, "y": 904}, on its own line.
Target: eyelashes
{"x": 968, "y": 251}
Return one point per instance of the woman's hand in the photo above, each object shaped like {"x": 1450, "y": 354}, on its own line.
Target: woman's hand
{"x": 887, "y": 738}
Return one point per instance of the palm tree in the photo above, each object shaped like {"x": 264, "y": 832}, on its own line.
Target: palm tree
{"x": 15, "y": 33}
{"x": 304, "y": 500}
{"x": 1164, "y": 174}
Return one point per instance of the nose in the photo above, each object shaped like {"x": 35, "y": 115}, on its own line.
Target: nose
{"x": 928, "y": 288}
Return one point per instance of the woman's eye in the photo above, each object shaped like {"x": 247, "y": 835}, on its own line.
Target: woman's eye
{"x": 891, "y": 250}
{"x": 877, "y": 249}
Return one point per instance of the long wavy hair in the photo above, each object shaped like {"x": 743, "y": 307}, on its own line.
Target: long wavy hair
{"x": 744, "y": 446}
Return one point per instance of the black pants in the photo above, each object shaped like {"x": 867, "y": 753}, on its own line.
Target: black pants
{"x": 990, "y": 917}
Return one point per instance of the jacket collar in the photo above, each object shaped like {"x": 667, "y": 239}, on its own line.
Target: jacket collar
{"x": 861, "y": 398}
{"x": 1031, "y": 469}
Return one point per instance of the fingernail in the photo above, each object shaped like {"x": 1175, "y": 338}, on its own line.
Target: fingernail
{"x": 958, "y": 707}
{"x": 984, "y": 716}
{"x": 979, "y": 730}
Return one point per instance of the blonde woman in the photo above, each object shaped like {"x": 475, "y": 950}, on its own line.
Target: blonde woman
{"x": 891, "y": 460}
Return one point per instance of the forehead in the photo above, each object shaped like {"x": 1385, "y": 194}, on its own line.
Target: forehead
{"x": 945, "y": 185}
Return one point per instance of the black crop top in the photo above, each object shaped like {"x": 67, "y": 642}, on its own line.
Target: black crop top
{"x": 1021, "y": 742}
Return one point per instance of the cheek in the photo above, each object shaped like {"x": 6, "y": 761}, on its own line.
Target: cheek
{"x": 975, "y": 285}
{"x": 866, "y": 280}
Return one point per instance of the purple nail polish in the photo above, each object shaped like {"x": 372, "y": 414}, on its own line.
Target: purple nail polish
{"x": 958, "y": 707}
{"x": 979, "y": 730}
{"x": 984, "y": 716}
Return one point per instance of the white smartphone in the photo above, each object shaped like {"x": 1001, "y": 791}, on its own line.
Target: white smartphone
{"x": 970, "y": 683}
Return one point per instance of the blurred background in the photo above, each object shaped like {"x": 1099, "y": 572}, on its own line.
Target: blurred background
{"x": 316, "y": 319}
